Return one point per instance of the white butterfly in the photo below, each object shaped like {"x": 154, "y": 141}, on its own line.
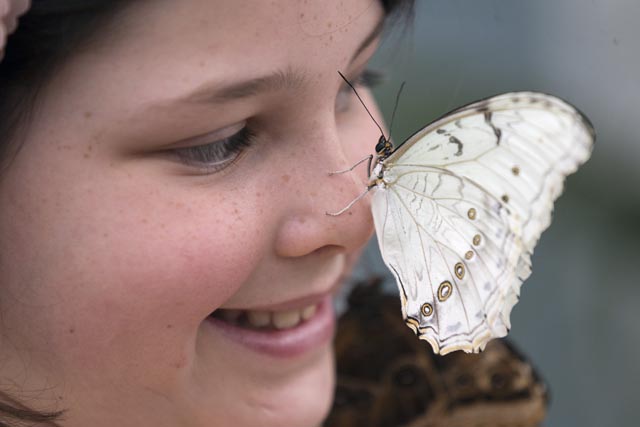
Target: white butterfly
{"x": 460, "y": 205}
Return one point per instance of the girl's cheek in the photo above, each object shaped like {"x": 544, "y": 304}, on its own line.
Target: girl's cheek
{"x": 133, "y": 251}
{"x": 197, "y": 251}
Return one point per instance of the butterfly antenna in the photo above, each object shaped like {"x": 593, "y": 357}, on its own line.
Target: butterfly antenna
{"x": 361, "y": 101}
{"x": 395, "y": 107}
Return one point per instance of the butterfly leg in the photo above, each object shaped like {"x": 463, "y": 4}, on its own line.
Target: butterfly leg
{"x": 369, "y": 158}
{"x": 353, "y": 202}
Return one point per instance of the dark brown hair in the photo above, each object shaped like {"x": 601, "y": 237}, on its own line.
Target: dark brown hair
{"x": 47, "y": 35}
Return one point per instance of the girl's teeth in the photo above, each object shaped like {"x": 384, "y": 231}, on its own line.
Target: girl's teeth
{"x": 285, "y": 319}
{"x": 264, "y": 319}
{"x": 308, "y": 312}
{"x": 259, "y": 319}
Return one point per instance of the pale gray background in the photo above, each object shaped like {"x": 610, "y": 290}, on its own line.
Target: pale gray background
{"x": 579, "y": 316}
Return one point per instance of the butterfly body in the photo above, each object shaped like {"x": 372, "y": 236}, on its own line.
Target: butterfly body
{"x": 460, "y": 205}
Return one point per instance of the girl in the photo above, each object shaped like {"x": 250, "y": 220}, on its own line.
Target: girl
{"x": 165, "y": 256}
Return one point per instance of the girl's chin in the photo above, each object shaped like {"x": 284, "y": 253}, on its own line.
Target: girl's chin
{"x": 296, "y": 392}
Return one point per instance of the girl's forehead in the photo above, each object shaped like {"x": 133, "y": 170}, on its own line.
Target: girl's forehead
{"x": 158, "y": 52}
{"x": 255, "y": 30}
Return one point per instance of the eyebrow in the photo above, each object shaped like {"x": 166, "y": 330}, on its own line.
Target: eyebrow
{"x": 279, "y": 80}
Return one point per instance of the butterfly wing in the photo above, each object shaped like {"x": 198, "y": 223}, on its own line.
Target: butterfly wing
{"x": 462, "y": 204}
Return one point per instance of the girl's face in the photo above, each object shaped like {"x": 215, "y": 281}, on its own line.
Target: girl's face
{"x": 178, "y": 168}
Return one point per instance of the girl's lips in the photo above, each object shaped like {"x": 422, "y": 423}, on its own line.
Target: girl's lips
{"x": 286, "y": 343}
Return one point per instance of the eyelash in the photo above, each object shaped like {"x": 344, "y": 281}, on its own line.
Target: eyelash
{"x": 217, "y": 155}
{"x": 369, "y": 79}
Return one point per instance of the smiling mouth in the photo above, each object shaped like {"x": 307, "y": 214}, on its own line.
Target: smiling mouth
{"x": 266, "y": 319}
{"x": 289, "y": 330}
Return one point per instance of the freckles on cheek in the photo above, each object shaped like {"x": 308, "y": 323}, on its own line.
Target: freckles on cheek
{"x": 217, "y": 264}
{"x": 211, "y": 253}
{"x": 154, "y": 297}
{"x": 159, "y": 262}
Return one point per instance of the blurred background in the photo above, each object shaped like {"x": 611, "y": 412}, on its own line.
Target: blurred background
{"x": 579, "y": 316}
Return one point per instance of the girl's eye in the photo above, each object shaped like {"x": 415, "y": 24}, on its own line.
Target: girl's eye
{"x": 367, "y": 79}
{"x": 217, "y": 155}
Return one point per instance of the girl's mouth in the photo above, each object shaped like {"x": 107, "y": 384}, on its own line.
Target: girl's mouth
{"x": 287, "y": 332}
{"x": 265, "y": 319}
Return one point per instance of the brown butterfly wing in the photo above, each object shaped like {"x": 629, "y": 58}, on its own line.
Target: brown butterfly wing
{"x": 387, "y": 378}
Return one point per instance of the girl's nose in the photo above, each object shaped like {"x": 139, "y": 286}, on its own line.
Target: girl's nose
{"x": 306, "y": 226}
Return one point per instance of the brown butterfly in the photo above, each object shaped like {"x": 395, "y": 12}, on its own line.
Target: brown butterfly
{"x": 387, "y": 378}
